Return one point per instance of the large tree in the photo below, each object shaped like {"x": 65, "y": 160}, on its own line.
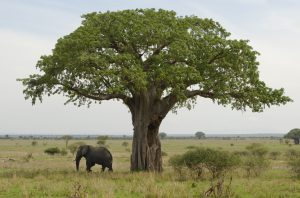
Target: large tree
{"x": 153, "y": 61}
{"x": 293, "y": 134}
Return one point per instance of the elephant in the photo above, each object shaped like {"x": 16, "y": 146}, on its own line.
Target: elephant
{"x": 94, "y": 155}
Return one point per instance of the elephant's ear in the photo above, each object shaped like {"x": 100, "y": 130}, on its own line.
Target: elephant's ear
{"x": 85, "y": 150}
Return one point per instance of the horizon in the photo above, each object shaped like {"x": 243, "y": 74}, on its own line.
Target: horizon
{"x": 126, "y": 134}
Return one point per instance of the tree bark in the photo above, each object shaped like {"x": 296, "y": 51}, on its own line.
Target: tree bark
{"x": 146, "y": 146}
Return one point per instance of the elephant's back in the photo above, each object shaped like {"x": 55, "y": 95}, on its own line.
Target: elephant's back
{"x": 105, "y": 152}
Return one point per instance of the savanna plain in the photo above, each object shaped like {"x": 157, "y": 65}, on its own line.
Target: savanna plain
{"x": 27, "y": 171}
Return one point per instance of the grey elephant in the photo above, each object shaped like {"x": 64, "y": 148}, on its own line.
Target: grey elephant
{"x": 94, "y": 155}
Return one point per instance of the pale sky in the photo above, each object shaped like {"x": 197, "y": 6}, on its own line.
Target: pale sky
{"x": 29, "y": 29}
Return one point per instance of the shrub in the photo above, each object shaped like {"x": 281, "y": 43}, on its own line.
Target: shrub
{"x": 162, "y": 135}
{"x": 286, "y": 141}
{"x": 292, "y": 153}
{"x": 256, "y": 161}
{"x": 215, "y": 161}
{"x": 178, "y": 164}
{"x": 241, "y": 153}
{"x": 73, "y": 147}
{"x": 52, "y": 151}
{"x": 257, "y": 149}
{"x": 34, "y": 143}
{"x": 191, "y": 147}
{"x": 274, "y": 155}
{"x": 102, "y": 140}
{"x": 163, "y": 153}
{"x": 27, "y": 157}
{"x": 294, "y": 163}
{"x": 125, "y": 144}
{"x": 63, "y": 151}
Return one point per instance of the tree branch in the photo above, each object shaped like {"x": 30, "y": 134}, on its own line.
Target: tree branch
{"x": 156, "y": 52}
{"x": 216, "y": 57}
{"x": 205, "y": 94}
{"x": 96, "y": 96}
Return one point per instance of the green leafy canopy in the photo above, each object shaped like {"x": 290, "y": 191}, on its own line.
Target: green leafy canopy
{"x": 294, "y": 133}
{"x": 117, "y": 55}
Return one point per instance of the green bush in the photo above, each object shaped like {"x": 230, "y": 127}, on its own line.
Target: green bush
{"x": 34, "y": 143}
{"x": 215, "y": 161}
{"x": 52, "y": 151}
{"x": 241, "y": 153}
{"x": 191, "y": 147}
{"x": 292, "y": 153}
{"x": 257, "y": 149}
{"x": 256, "y": 161}
{"x": 274, "y": 155}
{"x": 101, "y": 140}
{"x": 63, "y": 151}
{"x": 73, "y": 147}
{"x": 125, "y": 144}
{"x": 294, "y": 163}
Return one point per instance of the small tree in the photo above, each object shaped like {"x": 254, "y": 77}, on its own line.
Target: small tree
{"x": 293, "y": 134}
{"x": 125, "y": 144}
{"x": 73, "y": 147}
{"x": 101, "y": 140}
{"x": 52, "y": 151}
{"x": 200, "y": 135}
{"x": 162, "y": 135}
{"x": 67, "y": 138}
{"x": 218, "y": 163}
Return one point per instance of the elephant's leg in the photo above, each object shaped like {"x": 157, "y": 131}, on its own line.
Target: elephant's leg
{"x": 110, "y": 167}
{"x": 103, "y": 168}
{"x": 89, "y": 165}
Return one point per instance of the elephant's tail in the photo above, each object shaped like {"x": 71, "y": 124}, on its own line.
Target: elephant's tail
{"x": 110, "y": 157}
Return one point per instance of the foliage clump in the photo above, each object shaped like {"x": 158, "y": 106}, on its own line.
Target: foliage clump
{"x": 256, "y": 161}
{"x": 293, "y": 134}
{"x": 73, "y": 147}
{"x": 292, "y": 153}
{"x": 101, "y": 140}
{"x": 125, "y": 145}
{"x": 162, "y": 135}
{"x": 27, "y": 157}
{"x": 52, "y": 151}
{"x": 274, "y": 154}
{"x": 294, "y": 164}
{"x": 200, "y": 135}
{"x": 63, "y": 152}
{"x": 197, "y": 160}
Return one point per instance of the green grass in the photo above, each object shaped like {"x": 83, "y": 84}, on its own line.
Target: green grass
{"x": 55, "y": 176}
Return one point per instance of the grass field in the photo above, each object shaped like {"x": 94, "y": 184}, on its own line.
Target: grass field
{"x": 43, "y": 175}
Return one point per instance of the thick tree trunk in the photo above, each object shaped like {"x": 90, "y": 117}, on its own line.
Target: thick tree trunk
{"x": 146, "y": 146}
{"x": 296, "y": 140}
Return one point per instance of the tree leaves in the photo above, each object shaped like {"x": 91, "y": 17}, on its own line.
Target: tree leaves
{"x": 117, "y": 55}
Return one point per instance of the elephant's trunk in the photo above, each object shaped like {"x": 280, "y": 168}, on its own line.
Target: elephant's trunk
{"x": 78, "y": 158}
